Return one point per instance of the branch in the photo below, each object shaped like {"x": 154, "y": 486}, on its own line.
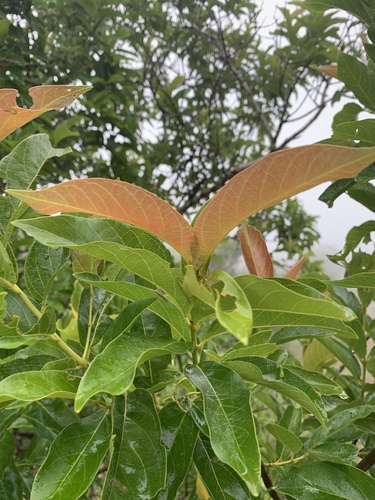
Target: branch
{"x": 367, "y": 462}
{"x": 268, "y": 484}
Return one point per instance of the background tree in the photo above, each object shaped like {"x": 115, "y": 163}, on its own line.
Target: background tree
{"x": 185, "y": 94}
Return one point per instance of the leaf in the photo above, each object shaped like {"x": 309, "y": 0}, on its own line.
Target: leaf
{"x": 364, "y": 194}
{"x": 272, "y": 179}
{"x": 275, "y": 303}
{"x": 138, "y": 459}
{"x": 238, "y": 320}
{"x": 10, "y": 479}
{"x": 343, "y": 354}
{"x": 41, "y": 267}
{"x": 336, "y": 452}
{"x": 335, "y": 190}
{"x": 295, "y": 333}
{"x": 6, "y": 266}
{"x": 118, "y": 200}
{"x": 327, "y": 480}
{"x": 320, "y": 382}
{"x": 49, "y": 417}
{"x": 44, "y": 98}
{"x": 35, "y": 385}
{"x": 222, "y": 481}
{"x": 360, "y": 280}
{"x": 179, "y": 436}
{"x": 21, "y": 166}
{"x": 295, "y": 270}
{"x": 255, "y": 253}
{"x": 73, "y": 459}
{"x": 280, "y": 379}
{"x": 131, "y": 291}
{"x": 114, "y": 368}
{"x": 345, "y": 418}
{"x": 357, "y": 78}
{"x": 286, "y": 437}
{"x": 107, "y": 240}
{"x": 362, "y": 130}
{"x": 229, "y": 418}
{"x": 352, "y": 6}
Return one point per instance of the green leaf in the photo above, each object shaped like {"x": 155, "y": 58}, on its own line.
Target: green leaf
{"x": 360, "y": 280}
{"x": 34, "y": 385}
{"x": 357, "y": 78}
{"x": 124, "y": 321}
{"x": 286, "y": 437}
{"x": 114, "y": 368}
{"x": 229, "y": 418}
{"x": 41, "y": 266}
{"x": 343, "y": 354}
{"x": 131, "y": 291}
{"x": 362, "y": 130}
{"x": 320, "y": 382}
{"x": 274, "y": 303}
{"x": 252, "y": 350}
{"x": 73, "y": 459}
{"x": 10, "y": 479}
{"x": 138, "y": 459}
{"x": 360, "y": 10}
{"x": 364, "y": 193}
{"x": 49, "y": 417}
{"x": 32, "y": 363}
{"x": 280, "y": 379}
{"x": 295, "y": 333}
{"x": 335, "y": 190}
{"x": 128, "y": 247}
{"x": 22, "y": 165}
{"x": 336, "y": 452}
{"x": 6, "y": 266}
{"x": 238, "y": 321}
{"x": 337, "y": 423}
{"x": 349, "y": 113}
{"x": 179, "y": 435}
{"x": 327, "y": 480}
{"x": 222, "y": 482}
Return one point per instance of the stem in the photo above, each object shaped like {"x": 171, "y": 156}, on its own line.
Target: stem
{"x": 268, "y": 484}
{"x": 86, "y": 352}
{"x": 193, "y": 333}
{"x": 54, "y": 336}
{"x": 286, "y": 462}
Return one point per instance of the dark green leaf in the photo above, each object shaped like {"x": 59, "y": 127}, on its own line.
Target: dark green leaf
{"x": 114, "y": 368}
{"x": 138, "y": 459}
{"x": 328, "y": 481}
{"x": 229, "y": 418}
{"x": 179, "y": 435}
{"x": 41, "y": 266}
{"x": 343, "y": 354}
{"x": 73, "y": 459}
{"x": 222, "y": 482}
{"x": 286, "y": 437}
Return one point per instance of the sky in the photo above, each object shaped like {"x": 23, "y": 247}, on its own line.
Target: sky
{"x": 333, "y": 223}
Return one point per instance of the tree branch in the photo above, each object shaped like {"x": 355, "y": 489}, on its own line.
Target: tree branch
{"x": 268, "y": 484}
{"x": 367, "y": 462}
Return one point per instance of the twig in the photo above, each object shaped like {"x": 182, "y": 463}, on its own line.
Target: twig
{"x": 367, "y": 462}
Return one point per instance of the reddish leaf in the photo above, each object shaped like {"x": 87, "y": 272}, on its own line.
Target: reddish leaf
{"x": 272, "y": 179}
{"x": 44, "y": 98}
{"x": 255, "y": 253}
{"x": 295, "y": 270}
{"x": 118, "y": 200}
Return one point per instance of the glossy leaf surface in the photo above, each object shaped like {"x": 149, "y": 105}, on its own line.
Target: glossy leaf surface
{"x": 34, "y": 385}
{"x": 179, "y": 436}
{"x": 114, "y": 368}
{"x": 327, "y": 480}
{"x": 222, "y": 482}
{"x": 73, "y": 459}
{"x": 229, "y": 419}
{"x": 138, "y": 459}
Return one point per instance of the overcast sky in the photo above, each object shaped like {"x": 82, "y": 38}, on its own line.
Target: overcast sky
{"x": 334, "y": 223}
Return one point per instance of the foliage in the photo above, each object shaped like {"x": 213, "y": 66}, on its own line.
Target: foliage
{"x": 126, "y": 389}
{"x": 199, "y": 76}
